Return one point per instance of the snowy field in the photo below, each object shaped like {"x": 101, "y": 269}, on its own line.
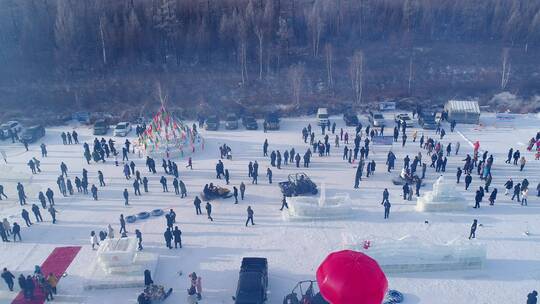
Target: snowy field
{"x": 294, "y": 248}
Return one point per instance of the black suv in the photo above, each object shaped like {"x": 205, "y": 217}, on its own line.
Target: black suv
{"x": 212, "y": 123}
{"x": 272, "y": 121}
{"x": 32, "y": 134}
{"x": 250, "y": 123}
{"x": 427, "y": 121}
{"x": 252, "y": 281}
{"x": 351, "y": 120}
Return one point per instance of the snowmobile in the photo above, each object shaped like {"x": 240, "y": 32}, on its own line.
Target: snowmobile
{"x": 404, "y": 177}
{"x": 211, "y": 192}
{"x": 307, "y": 292}
{"x": 156, "y": 293}
{"x": 298, "y": 184}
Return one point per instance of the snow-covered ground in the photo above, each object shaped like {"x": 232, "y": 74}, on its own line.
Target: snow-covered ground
{"x": 294, "y": 248}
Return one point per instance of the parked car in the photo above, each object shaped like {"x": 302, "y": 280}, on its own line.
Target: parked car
{"x": 12, "y": 125}
{"x": 82, "y": 117}
{"x": 212, "y": 123}
{"x": 405, "y": 119}
{"x": 322, "y": 117}
{"x": 32, "y": 134}
{"x": 272, "y": 121}
{"x": 101, "y": 127}
{"x": 376, "y": 119}
{"x": 231, "y": 122}
{"x": 351, "y": 120}
{"x": 427, "y": 121}
{"x": 122, "y": 129}
{"x": 252, "y": 282}
{"x": 250, "y": 123}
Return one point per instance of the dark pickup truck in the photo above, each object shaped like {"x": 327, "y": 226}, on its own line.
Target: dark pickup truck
{"x": 272, "y": 121}
{"x": 252, "y": 281}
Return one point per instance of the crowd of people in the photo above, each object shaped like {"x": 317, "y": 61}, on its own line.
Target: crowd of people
{"x": 433, "y": 154}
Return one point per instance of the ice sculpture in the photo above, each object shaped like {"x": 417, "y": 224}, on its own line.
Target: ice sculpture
{"x": 322, "y": 207}
{"x": 119, "y": 265}
{"x": 410, "y": 254}
{"x": 444, "y": 197}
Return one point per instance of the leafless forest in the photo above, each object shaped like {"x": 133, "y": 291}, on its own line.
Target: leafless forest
{"x": 259, "y": 54}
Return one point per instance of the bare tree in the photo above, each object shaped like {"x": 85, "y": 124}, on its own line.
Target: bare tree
{"x": 315, "y": 24}
{"x": 241, "y": 31}
{"x": 102, "y": 39}
{"x": 132, "y": 34}
{"x": 409, "y": 90}
{"x": 269, "y": 24}
{"x": 256, "y": 18}
{"x": 65, "y": 31}
{"x": 296, "y": 76}
{"x": 356, "y": 73}
{"x": 167, "y": 23}
{"x": 505, "y": 68}
{"x": 329, "y": 54}
{"x": 284, "y": 34}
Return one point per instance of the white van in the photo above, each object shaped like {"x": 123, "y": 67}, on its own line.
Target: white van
{"x": 322, "y": 116}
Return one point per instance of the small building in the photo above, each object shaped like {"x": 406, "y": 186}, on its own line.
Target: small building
{"x": 463, "y": 111}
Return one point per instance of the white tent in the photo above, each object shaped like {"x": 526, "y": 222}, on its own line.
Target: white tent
{"x": 463, "y": 111}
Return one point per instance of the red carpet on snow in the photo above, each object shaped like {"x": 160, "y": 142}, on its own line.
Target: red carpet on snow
{"x": 57, "y": 262}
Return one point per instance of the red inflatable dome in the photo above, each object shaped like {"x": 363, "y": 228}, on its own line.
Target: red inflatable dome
{"x": 350, "y": 277}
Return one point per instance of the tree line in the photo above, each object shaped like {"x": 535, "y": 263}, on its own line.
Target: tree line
{"x": 254, "y": 38}
{"x": 103, "y": 32}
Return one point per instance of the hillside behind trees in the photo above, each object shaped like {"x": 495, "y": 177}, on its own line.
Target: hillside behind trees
{"x": 66, "y": 55}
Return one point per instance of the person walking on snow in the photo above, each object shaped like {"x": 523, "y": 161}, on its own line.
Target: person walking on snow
{"x": 163, "y": 182}
{"x": 168, "y": 238}
{"x": 522, "y": 162}
{"x": 209, "y": 211}
{"x": 532, "y": 297}
{"x": 517, "y": 190}
{"x": 8, "y": 278}
{"x": 249, "y": 216}
{"x": 197, "y": 203}
{"x": 177, "y": 234}
{"x": 508, "y": 186}
{"x": 26, "y": 217}
{"x": 126, "y": 197}
{"x": 269, "y": 175}
{"x": 145, "y": 184}
{"x": 93, "y": 240}
{"x": 284, "y": 203}
{"x": 94, "y": 191}
{"x": 387, "y": 206}
{"x": 37, "y": 214}
{"x": 472, "y": 234}
{"x": 493, "y": 197}
{"x": 242, "y": 190}
{"x": 468, "y": 180}
{"x": 110, "y": 231}
{"x": 235, "y": 194}
{"x": 122, "y": 224}
{"x": 138, "y": 235}
{"x": 52, "y": 212}
{"x": 183, "y": 190}
{"x": 524, "y": 195}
